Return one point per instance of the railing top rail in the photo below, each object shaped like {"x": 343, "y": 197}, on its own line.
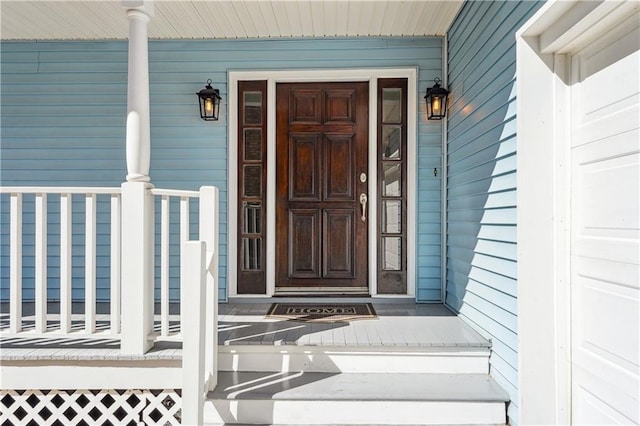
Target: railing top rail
{"x": 175, "y": 192}
{"x": 58, "y": 190}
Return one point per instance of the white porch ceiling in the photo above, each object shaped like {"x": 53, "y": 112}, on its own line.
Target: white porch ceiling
{"x": 98, "y": 20}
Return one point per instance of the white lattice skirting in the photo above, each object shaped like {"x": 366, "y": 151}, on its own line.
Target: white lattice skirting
{"x": 90, "y": 407}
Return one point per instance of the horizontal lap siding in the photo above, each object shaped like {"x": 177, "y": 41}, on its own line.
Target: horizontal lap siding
{"x": 481, "y": 183}
{"x": 63, "y": 124}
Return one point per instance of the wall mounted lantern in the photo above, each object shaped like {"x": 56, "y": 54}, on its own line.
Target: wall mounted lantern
{"x": 436, "y": 98}
{"x": 209, "y": 100}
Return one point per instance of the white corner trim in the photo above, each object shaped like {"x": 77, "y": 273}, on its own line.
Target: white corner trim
{"x": 291, "y": 76}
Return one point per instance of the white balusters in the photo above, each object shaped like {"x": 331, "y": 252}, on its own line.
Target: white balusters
{"x": 136, "y": 238}
{"x": 65, "y": 262}
{"x": 184, "y": 237}
{"x": 90, "y": 264}
{"x": 115, "y": 299}
{"x": 15, "y": 279}
{"x": 166, "y": 195}
{"x": 41, "y": 263}
{"x": 39, "y": 320}
{"x": 164, "y": 266}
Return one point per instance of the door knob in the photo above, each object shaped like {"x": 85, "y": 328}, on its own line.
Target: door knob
{"x": 363, "y": 203}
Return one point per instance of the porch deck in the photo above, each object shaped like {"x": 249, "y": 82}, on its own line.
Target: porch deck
{"x": 242, "y": 323}
{"x": 398, "y": 325}
{"x": 411, "y": 360}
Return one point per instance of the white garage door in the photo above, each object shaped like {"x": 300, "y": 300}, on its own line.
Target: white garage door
{"x": 605, "y": 187}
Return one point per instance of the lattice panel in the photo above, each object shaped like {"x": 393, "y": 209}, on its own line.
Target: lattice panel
{"x": 90, "y": 407}
{"x": 163, "y": 408}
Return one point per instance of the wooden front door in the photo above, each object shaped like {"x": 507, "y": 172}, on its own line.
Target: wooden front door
{"x": 321, "y": 186}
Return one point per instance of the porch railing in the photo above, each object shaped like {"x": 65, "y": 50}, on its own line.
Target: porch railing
{"x": 198, "y": 271}
{"x": 56, "y": 234}
{"x": 39, "y": 320}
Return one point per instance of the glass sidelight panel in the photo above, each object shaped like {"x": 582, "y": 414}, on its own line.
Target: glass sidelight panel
{"x": 392, "y": 196}
{"x": 392, "y": 253}
{"x": 252, "y": 223}
{"x": 252, "y": 181}
{"x": 252, "y": 154}
{"x": 392, "y": 180}
{"x": 251, "y": 254}
{"x": 391, "y": 105}
{"x": 252, "y": 144}
{"x": 392, "y": 217}
{"x": 391, "y": 137}
{"x": 253, "y": 108}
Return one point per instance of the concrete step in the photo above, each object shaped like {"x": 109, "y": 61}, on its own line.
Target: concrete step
{"x": 306, "y": 398}
{"x": 354, "y": 359}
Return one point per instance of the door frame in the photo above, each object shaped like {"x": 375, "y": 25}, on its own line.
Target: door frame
{"x": 544, "y": 46}
{"x": 370, "y": 75}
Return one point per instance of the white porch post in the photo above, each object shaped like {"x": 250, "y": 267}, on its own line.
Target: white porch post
{"x": 209, "y": 229}
{"x": 137, "y": 201}
{"x": 138, "y": 128}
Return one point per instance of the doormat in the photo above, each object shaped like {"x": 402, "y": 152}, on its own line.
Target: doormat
{"x": 323, "y": 312}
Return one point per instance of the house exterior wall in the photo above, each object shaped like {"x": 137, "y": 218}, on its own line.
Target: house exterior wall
{"x": 481, "y": 181}
{"x": 63, "y": 124}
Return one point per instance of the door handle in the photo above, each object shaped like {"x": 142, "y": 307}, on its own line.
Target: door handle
{"x": 363, "y": 203}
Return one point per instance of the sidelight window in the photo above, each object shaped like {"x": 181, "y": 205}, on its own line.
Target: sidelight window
{"x": 392, "y": 204}
{"x": 252, "y": 130}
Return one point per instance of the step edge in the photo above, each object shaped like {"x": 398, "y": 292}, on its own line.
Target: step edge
{"x": 494, "y": 392}
{"x": 356, "y": 349}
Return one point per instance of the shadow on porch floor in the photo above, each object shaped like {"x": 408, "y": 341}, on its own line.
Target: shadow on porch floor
{"x": 397, "y": 325}
{"x": 244, "y": 324}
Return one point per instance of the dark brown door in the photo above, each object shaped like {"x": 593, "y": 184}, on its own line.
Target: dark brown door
{"x": 322, "y": 179}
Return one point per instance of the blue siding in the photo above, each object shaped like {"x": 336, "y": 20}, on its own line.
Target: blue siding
{"x": 481, "y": 184}
{"x": 63, "y": 123}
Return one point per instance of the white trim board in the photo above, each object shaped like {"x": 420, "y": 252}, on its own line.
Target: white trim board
{"x": 544, "y": 45}
{"x": 292, "y": 76}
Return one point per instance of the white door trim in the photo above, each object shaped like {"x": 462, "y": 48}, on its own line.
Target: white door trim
{"x": 544, "y": 45}
{"x": 291, "y": 76}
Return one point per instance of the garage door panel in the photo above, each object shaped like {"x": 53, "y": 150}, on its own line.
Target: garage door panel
{"x": 613, "y": 97}
{"x": 605, "y": 229}
{"x": 593, "y": 409}
{"x": 621, "y": 79}
{"x": 615, "y": 272}
{"x": 605, "y": 218}
{"x": 619, "y": 250}
{"x": 601, "y": 203}
{"x": 602, "y": 309}
{"x": 619, "y": 131}
{"x": 608, "y": 122}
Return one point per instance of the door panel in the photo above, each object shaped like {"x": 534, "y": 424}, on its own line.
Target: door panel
{"x": 339, "y": 106}
{"x": 339, "y": 245}
{"x": 340, "y": 167}
{"x": 304, "y": 231}
{"x": 304, "y": 167}
{"x": 321, "y": 150}
{"x": 304, "y": 106}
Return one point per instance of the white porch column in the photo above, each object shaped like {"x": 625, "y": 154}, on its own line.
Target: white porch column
{"x": 137, "y": 200}
{"x": 137, "y": 268}
{"x": 138, "y": 127}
